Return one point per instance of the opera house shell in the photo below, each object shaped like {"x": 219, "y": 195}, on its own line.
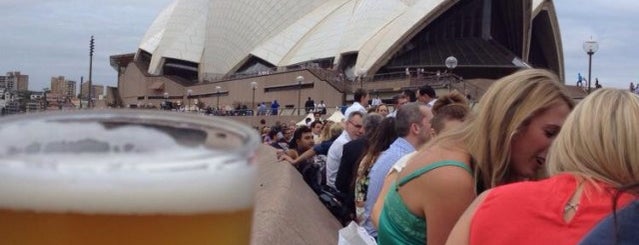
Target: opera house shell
{"x": 216, "y": 50}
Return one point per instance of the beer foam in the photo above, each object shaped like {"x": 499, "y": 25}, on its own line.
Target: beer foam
{"x": 87, "y": 167}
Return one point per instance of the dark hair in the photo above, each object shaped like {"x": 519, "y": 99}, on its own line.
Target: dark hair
{"x": 453, "y": 106}
{"x": 449, "y": 112}
{"x": 449, "y": 99}
{"x": 410, "y": 94}
{"x": 427, "y": 90}
{"x": 298, "y": 135}
{"x": 379, "y": 140}
{"x": 632, "y": 189}
{"x": 359, "y": 94}
{"x": 315, "y": 123}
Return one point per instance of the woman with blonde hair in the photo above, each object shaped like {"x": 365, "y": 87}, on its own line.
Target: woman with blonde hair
{"x": 594, "y": 154}
{"x": 382, "y": 109}
{"x": 507, "y": 141}
{"x": 328, "y": 131}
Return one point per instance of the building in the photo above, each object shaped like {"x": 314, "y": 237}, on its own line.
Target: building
{"x": 14, "y": 81}
{"x": 62, "y": 87}
{"x": 231, "y": 52}
{"x": 37, "y": 95}
{"x": 96, "y": 92}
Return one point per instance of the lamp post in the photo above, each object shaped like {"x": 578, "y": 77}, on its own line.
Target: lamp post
{"x": 217, "y": 92}
{"x": 299, "y": 79}
{"x": 91, "y": 49}
{"x": 253, "y": 86}
{"x": 81, "y": 81}
{"x": 188, "y": 97}
{"x": 166, "y": 100}
{"x": 451, "y": 63}
{"x": 590, "y": 47}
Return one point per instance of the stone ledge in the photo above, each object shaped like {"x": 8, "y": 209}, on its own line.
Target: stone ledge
{"x": 287, "y": 211}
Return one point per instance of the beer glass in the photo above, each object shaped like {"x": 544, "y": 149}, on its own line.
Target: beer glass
{"x": 125, "y": 177}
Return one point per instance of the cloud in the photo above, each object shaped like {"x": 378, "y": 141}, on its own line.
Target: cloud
{"x": 44, "y": 38}
{"x": 51, "y": 38}
{"x": 613, "y": 25}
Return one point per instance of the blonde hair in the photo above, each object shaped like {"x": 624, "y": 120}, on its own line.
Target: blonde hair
{"x": 505, "y": 109}
{"x": 600, "y": 139}
{"x": 331, "y": 130}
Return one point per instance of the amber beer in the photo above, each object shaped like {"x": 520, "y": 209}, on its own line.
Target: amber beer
{"x": 125, "y": 177}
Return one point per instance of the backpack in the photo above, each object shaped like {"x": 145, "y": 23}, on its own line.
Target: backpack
{"x": 333, "y": 200}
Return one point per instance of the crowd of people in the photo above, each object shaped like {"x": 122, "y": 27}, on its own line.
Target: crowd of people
{"x": 527, "y": 167}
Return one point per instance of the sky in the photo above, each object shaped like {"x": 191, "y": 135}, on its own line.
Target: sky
{"x": 46, "y": 38}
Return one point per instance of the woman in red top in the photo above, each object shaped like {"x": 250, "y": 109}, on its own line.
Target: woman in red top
{"x": 595, "y": 152}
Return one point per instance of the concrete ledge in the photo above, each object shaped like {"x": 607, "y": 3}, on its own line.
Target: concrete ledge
{"x": 287, "y": 211}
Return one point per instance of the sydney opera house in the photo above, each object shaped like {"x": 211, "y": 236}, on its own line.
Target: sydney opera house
{"x": 244, "y": 52}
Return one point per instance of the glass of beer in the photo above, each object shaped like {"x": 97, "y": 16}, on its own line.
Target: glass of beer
{"x": 125, "y": 177}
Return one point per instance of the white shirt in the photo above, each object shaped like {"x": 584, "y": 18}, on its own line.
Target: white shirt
{"x": 355, "y": 107}
{"x": 377, "y": 101}
{"x": 401, "y": 163}
{"x": 334, "y": 158}
{"x": 431, "y": 103}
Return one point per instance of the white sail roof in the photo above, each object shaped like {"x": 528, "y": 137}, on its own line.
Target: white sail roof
{"x": 220, "y": 35}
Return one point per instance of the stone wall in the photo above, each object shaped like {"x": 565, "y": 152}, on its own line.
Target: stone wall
{"x": 287, "y": 211}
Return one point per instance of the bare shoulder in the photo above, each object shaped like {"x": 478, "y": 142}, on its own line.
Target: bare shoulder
{"x": 440, "y": 181}
{"x": 434, "y": 154}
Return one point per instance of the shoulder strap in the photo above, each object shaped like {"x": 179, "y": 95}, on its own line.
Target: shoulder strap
{"x": 432, "y": 166}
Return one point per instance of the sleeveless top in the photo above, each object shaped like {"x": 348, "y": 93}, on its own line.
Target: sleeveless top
{"x": 533, "y": 212}
{"x": 397, "y": 225}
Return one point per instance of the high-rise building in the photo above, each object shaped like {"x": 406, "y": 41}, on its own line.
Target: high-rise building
{"x": 61, "y": 86}
{"x": 95, "y": 92}
{"x": 14, "y": 81}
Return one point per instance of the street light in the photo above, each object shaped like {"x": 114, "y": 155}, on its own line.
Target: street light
{"x": 299, "y": 79}
{"x": 217, "y": 92}
{"x": 451, "y": 63}
{"x": 590, "y": 47}
{"x": 188, "y": 97}
{"x": 253, "y": 86}
{"x": 91, "y": 48}
{"x": 166, "y": 100}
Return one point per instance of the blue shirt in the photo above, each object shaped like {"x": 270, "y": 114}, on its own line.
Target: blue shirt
{"x": 626, "y": 225}
{"x": 322, "y": 148}
{"x": 399, "y": 148}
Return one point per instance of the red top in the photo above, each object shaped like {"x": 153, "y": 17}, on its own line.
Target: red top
{"x": 532, "y": 212}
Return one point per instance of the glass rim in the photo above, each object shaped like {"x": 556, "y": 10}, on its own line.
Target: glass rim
{"x": 249, "y": 141}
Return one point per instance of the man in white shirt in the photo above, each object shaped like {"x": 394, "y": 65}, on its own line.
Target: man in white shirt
{"x": 360, "y": 101}
{"x": 376, "y": 101}
{"x": 353, "y": 129}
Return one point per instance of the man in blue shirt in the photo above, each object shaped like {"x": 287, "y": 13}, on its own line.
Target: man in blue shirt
{"x": 414, "y": 130}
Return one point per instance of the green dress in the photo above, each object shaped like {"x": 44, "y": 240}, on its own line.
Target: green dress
{"x": 397, "y": 225}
